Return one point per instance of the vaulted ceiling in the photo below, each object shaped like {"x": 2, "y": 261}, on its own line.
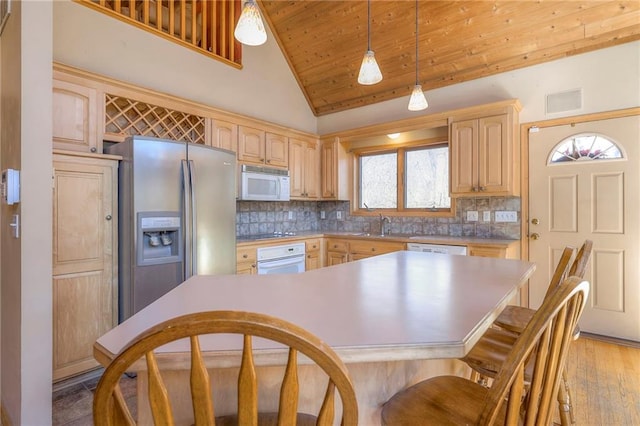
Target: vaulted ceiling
{"x": 324, "y": 41}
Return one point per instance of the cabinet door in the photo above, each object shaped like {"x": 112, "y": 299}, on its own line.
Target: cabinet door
{"x": 224, "y": 135}
{"x": 84, "y": 256}
{"x": 328, "y": 172}
{"x": 246, "y": 258}
{"x": 277, "y": 150}
{"x": 484, "y": 251}
{"x": 494, "y": 165}
{"x": 336, "y": 258}
{"x": 311, "y": 170}
{"x": 464, "y": 157}
{"x": 297, "y": 150}
{"x": 75, "y": 117}
{"x": 251, "y": 145}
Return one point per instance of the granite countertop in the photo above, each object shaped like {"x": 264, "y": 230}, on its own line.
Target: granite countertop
{"x": 404, "y": 238}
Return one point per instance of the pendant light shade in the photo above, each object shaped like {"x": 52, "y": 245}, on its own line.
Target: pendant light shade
{"x": 417, "y": 102}
{"x": 369, "y": 70}
{"x": 250, "y": 28}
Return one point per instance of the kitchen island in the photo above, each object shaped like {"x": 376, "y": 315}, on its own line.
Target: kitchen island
{"x": 394, "y": 319}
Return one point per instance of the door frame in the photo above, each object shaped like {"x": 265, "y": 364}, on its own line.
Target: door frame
{"x": 524, "y": 171}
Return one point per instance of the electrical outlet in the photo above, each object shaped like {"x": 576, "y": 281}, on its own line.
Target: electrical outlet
{"x": 323, "y": 215}
{"x": 472, "y": 216}
{"x": 290, "y": 215}
{"x": 486, "y": 216}
{"x": 339, "y": 215}
{"x": 506, "y": 216}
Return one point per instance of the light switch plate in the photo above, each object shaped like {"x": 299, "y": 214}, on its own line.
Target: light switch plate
{"x": 290, "y": 215}
{"x": 323, "y": 215}
{"x": 339, "y": 215}
{"x": 506, "y": 216}
{"x": 472, "y": 216}
{"x": 486, "y": 216}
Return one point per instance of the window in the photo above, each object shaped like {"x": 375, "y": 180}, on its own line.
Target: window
{"x": 405, "y": 179}
{"x": 585, "y": 147}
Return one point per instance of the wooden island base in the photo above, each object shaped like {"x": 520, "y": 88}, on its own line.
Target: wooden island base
{"x": 374, "y": 382}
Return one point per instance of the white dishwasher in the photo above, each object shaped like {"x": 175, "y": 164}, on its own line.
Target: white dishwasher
{"x": 437, "y": 248}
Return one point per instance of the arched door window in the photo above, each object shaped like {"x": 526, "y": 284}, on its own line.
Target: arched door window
{"x": 585, "y": 147}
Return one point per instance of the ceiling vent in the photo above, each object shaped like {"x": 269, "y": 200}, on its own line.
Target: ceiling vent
{"x": 564, "y": 101}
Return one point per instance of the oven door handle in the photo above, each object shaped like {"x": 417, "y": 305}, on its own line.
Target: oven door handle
{"x": 282, "y": 261}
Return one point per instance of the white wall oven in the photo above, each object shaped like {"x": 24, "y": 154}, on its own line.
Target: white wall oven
{"x": 282, "y": 259}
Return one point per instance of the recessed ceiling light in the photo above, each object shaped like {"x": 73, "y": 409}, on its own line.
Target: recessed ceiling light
{"x": 393, "y": 135}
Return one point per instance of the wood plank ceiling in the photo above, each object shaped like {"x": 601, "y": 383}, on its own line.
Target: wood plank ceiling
{"x": 324, "y": 41}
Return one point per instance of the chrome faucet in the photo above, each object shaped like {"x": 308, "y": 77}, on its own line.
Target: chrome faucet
{"x": 383, "y": 219}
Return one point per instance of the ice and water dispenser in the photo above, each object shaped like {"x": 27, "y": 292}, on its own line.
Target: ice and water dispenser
{"x": 159, "y": 238}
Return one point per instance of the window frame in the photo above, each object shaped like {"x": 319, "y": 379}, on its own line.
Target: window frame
{"x": 400, "y": 150}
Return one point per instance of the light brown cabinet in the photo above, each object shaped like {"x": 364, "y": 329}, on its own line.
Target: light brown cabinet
{"x": 224, "y": 135}
{"x": 510, "y": 251}
{"x": 343, "y": 250}
{"x": 334, "y": 170}
{"x": 75, "y": 117}
{"x": 304, "y": 168}
{"x": 259, "y": 147}
{"x": 84, "y": 259}
{"x": 313, "y": 254}
{"x": 483, "y": 157}
{"x": 246, "y": 260}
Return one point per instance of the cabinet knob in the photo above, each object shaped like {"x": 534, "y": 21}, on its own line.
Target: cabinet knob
{"x": 108, "y": 217}
{"x": 373, "y": 249}
{"x": 268, "y": 161}
{"x": 308, "y": 256}
{"x": 482, "y": 188}
{"x": 244, "y": 256}
{"x": 474, "y": 189}
{"x": 94, "y": 149}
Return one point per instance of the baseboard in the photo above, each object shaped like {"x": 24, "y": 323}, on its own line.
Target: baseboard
{"x": 612, "y": 340}
{"x": 62, "y": 384}
{"x": 4, "y": 417}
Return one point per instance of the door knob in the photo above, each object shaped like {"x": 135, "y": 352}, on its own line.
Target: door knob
{"x": 534, "y": 236}
{"x": 535, "y": 221}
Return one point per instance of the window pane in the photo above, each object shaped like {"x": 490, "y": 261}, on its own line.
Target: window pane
{"x": 427, "y": 178}
{"x": 379, "y": 181}
{"x": 585, "y": 148}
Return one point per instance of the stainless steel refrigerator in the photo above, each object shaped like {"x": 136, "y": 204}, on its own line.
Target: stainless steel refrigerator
{"x": 177, "y": 216}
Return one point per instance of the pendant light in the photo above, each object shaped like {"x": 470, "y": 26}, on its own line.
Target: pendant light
{"x": 369, "y": 70}
{"x": 417, "y": 102}
{"x": 250, "y": 28}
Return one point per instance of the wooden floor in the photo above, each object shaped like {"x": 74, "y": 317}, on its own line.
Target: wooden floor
{"x": 604, "y": 380}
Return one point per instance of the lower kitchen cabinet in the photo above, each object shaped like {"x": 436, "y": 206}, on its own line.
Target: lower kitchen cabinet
{"x": 246, "y": 260}
{"x": 313, "y": 254}
{"x": 84, "y": 259}
{"x": 361, "y": 249}
{"x": 507, "y": 251}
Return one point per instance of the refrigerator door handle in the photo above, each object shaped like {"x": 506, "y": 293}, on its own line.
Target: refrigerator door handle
{"x": 194, "y": 230}
{"x": 188, "y": 230}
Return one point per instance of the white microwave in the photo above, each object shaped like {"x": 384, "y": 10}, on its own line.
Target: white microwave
{"x": 263, "y": 183}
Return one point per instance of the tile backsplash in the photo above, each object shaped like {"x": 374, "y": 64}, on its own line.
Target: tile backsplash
{"x": 258, "y": 217}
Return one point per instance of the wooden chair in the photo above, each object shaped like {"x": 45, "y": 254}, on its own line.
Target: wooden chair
{"x": 452, "y": 400}
{"x": 488, "y": 354}
{"x": 109, "y": 407}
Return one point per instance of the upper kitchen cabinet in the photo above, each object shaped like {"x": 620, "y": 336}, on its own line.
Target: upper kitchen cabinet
{"x": 259, "y": 147}
{"x": 484, "y": 156}
{"x": 334, "y": 170}
{"x": 304, "y": 168}
{"x": 75, "y": 117}
{"x": 224, "y": 134}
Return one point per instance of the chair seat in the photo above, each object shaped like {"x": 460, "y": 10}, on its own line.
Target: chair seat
{"x": 514, "y": 318}
{"x": 489, "y": 354}
{"x": 267, "y": 419}
{"x": 436, "y": 401}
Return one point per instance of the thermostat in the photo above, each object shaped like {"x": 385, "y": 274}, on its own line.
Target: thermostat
{"x": 10, "y": 189}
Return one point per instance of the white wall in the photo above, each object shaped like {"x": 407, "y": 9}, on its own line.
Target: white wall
{"x": 264, "y": 88}
{"x": 610, "y": 79}
{"x": 26, "y": 262}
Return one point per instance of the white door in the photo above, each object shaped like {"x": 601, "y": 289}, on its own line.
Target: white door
{"x": 577, "y": 192}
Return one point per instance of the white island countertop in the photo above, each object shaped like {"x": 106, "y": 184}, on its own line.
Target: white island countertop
{"x": 399, "y": 306}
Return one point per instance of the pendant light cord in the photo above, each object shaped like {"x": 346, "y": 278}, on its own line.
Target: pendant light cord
{"x": 416, "y": 42}
{"x": 368, "y": 25}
